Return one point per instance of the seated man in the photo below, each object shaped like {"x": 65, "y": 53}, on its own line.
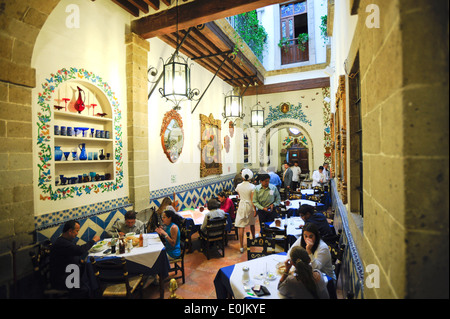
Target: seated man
{"x": 65, "y": 252}
{"x": 308, "y": 215}
{"x": 129, "y": 225}
{"x": 265, "y": 198}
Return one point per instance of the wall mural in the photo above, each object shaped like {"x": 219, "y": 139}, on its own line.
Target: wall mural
{"x": 172, "y": 135}
{"x": 210, "y": 145}
{"x": 45, "y": 153}
{"x": 279, "y": 112}
{"x": 327, "y": 124}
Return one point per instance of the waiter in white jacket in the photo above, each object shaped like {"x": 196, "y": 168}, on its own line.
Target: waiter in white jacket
{"x": 318, "y": 177}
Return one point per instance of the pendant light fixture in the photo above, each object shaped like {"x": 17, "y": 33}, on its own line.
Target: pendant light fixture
{"x": 257, "y": 113}
{"x": 177, "y": 78}
{"x": 232, "y": 109}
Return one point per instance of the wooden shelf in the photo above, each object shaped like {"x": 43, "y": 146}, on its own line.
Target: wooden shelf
{"x": 81, "y": 117}
{"x": 81, "y": 139}
{"x": 79, "y": 162}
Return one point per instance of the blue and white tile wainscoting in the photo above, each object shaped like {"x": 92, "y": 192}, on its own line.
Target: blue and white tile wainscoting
{"x": 94, "y": 219}
{"x": 193, "y": 194}
{"x": 352, "y": 271}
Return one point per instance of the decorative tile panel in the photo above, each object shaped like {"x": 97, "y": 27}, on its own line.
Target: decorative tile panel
{"x": 352, "y": 270}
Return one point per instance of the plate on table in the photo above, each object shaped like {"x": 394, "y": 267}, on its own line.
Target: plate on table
{"x": 99, "y": 246}
{"x": 281, "y": 268}
{"x": 130, "y": 234}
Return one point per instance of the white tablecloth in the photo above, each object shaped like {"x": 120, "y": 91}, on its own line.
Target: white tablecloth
{"x": 296, "y": 203}
{"x": 293, "y": 224}
{"x": 145, "y": 256}
{"x": 195, "y": 215}
{"x": 257, "y": 268}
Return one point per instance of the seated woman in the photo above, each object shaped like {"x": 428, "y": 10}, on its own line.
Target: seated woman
{"x": 171, "y": 232}
{"x": 304, "y": 283}
{"x": 226, "y": 205}
{"x": 156, "y": 218}
{"x": 214, "y": 212}
{"x": 317, "y": 249}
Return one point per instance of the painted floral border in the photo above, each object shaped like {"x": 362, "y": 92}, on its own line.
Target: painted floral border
{"x": 326, "y": 124}
{"x": 295, "y": 112}
{"x": 44, "y": 137}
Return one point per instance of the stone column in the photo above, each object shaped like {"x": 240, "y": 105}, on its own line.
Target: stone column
{"x": 137, "y": 120}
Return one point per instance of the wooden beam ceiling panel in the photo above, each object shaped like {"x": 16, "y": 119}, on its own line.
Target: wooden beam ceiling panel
{"x": 290, "y": 86}
{"x": 192, "y": 14}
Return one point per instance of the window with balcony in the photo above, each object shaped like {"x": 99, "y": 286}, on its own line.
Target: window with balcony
{"x": 294, "y": 41}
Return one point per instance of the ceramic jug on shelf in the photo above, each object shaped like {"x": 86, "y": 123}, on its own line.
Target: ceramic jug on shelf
{"x": 83, "y": 154}
{"x": 58, "y": 153}
{"x": 79, "y": 104}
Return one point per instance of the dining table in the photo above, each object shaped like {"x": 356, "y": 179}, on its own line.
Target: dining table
{"x": 194, "y": 220}
{"x": 151, "y": 259}
{"x": 294, "y": 205}
{"x": 230, "y": 281}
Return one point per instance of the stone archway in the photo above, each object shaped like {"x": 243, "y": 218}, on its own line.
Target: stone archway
{"x": 20, "y": 22}
{"x": 273, "y": 128}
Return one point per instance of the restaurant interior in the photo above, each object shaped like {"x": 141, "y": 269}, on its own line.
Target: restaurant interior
{"x": 119, "y": 108}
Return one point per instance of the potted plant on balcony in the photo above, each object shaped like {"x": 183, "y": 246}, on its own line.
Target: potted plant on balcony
{"x": 284, "y": 44}
{"x": 302, "y": 40}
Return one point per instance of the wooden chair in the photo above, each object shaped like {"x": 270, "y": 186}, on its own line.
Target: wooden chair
{"x": 215, "y": 234}
{"x": 259, "y": 247}
{"x": 279, "y": 236}
{"x": 113, "y": 280}
{"x": 178, "y": 264}
{"x": 41, "y": 272}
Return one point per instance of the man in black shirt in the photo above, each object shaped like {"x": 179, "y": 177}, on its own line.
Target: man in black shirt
{"x": 65, "y": 252}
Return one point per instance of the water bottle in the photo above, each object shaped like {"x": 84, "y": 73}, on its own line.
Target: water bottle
{"x": 245, "y": 275}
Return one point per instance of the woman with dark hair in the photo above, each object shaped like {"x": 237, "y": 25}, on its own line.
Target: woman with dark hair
{"x": 226, "y": 205}
{"x": 304, "y": 283}
{"x": 316, "y": 248}
{"x": 156, "y": 218}
{"x": 171, "y": 233}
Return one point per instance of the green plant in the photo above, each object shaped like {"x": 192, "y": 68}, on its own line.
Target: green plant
{"x": 302, "y": 40}
{"x": 323, "y": 28}
{"x": 252, "y": 32}
{"x": 284, "y": 44}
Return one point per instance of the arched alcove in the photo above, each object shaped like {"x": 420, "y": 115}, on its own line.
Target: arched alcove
{"x": 267, "y": 153}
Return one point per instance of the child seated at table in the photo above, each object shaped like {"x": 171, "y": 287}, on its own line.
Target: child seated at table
{"x": 304, "y": 283}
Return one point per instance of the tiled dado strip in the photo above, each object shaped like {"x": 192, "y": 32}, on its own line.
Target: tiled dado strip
{"x": 352, "y": 270}
{"x": 193, "y": 194}
{"x": 93, "y": 218}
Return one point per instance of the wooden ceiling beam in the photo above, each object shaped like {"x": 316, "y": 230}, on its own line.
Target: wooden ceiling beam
{"x": 127, "y": 6}
{"x": 140, "y": 4}
{"x": 154, "y": 4}
{"x": 192, "y": 14}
